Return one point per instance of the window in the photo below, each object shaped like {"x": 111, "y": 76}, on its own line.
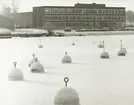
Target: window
{"x": 116, "y": 11}
{"x": 109, "y": 17}
{"x": 109, "y": 11}
{"x": 122, "y": 11}
{"x": 87, "y": 17}
{"x": 46, "y": 17}
{"x": 83, "y": 10}
{"x": 112, "y": 11}
{"x": 104, "y": 11}
{"x": 78, "y": 17}
{"x": 94, "y": 18}
{"x": 74, "y": 10}
{"x": 71, "y": 17}
{"x": 119, "y": 11}
{"x": 119, "y": 18}
{"x": 47, "y": 10}
{"x": 100, "y": 18}
{"x": 122, "y": 18}
{"x": 79, "y": 11}
{"x": 100, "y": 11}
{"x": 74, "y": 18}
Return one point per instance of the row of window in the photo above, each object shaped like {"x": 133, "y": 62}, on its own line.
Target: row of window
{"x": 84, "y": 18}
{"x": 91, "y": 24}
{"x": 84, "y": 10}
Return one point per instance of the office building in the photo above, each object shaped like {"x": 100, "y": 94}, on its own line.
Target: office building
{"x": 79, "y": 16}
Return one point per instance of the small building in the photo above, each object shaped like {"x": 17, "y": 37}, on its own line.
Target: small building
{"x": 80, "y": 16}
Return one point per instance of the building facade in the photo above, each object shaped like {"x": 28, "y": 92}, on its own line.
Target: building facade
{"x": 6, "y": 23}
{"x": 86, "y": 16}
{"x": 23, "y": 20}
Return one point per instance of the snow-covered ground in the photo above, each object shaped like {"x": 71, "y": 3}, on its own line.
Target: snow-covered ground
{"x": 98, "y": 81}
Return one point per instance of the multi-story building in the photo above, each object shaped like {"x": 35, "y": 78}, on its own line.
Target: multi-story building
{"x": 79, "y": 16}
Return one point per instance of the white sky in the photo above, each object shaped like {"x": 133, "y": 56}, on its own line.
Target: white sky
{"x": 26, "y": 5}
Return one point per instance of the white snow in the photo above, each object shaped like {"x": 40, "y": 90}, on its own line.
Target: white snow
{"x": 98, "y": 81}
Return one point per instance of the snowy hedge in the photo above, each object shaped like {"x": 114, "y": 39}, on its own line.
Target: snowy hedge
{"x": 29, "y": 31}
{"x": 4, "y": 31}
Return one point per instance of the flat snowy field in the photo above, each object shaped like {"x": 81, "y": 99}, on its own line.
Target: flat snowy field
{"x": 98, "y": 81}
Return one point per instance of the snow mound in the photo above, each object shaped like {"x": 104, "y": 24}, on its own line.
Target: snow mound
{"x": 37, "y": 67}
{"x": 66, "y": 96}
{"x": 15, "y": 74}
{"x": 105, "y": 55}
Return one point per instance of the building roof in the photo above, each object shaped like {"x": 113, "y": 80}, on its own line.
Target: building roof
{"x": 81, "y": 5}
{"x": 54, "y": 7}
{"x": 24, "y": 12}
{"x": 93, "y": 5}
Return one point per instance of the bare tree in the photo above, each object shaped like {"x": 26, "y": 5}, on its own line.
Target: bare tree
{"x": 6, "y": 10}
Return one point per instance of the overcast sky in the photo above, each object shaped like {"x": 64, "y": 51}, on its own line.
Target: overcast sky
{"x": 26, "y": 5}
